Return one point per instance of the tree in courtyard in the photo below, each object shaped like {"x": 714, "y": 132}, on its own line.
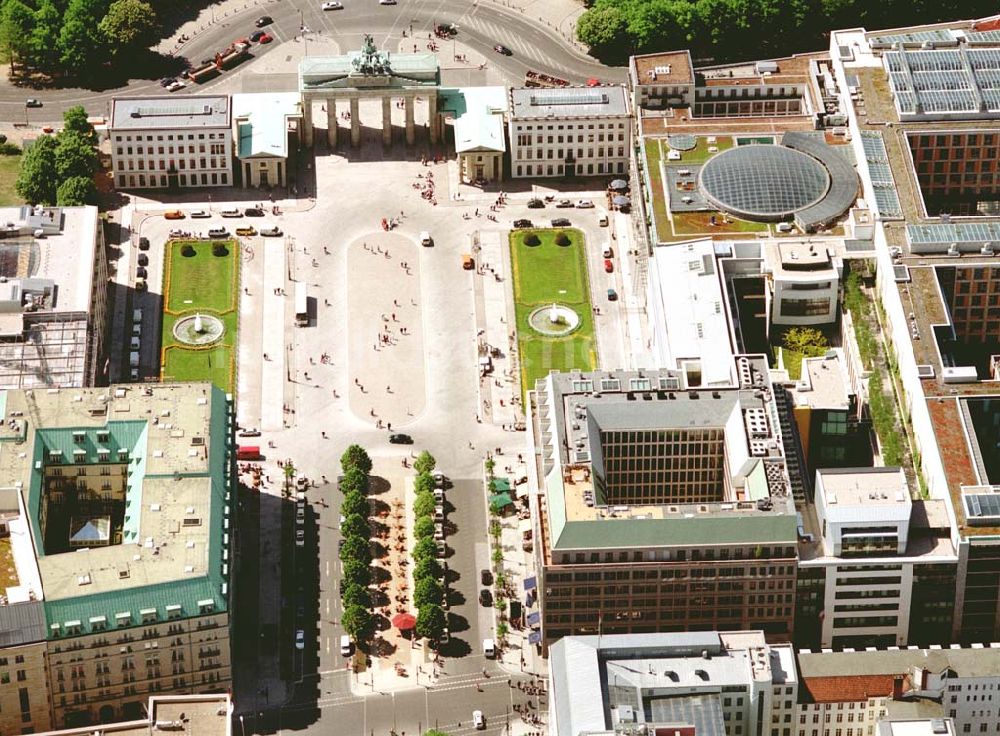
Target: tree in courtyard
{"x": 355, "y": 503}
{"x": 36, "y": 181}
{"x": 425, "y": 549}
{"x": 354, "y": 480}
{"x": 356, "y": 572}
{"x": 424, "y": 463}
{"x": 355, "y": 595}
{"x": 430, "y": 622}
{"x": 804, "y": 340}
{"x": 423, "y": 482}
{"x": 427, "y": 591}
{"x": 44, "y": 40}
{"x": 129, "y": 25}
{"x": 423, "y": 528}
{"x": 357, "y": 622}
{"x": 76, "y": 191}
{"x": 75, "y": 156}
{"x": 427, "y": 568}
{"x": 356, "y": 457}
{"x": 356, "y": 548}
{"x": 16, "y": 24}
{"x": 423, "y": 504}
{"x": 355, "y": 525}
{"x": 75, "y": 121}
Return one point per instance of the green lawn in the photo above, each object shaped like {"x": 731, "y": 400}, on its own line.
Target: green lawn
{"x": 697, "y": 223}
{"x": 201, "y": 283}
{"x": 9, "y": 166}
{"x": 656, "y": 184}
{"x": 544, "y": 274}
{"x": 700, "y": 153}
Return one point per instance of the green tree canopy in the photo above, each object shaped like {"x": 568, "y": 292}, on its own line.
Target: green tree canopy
{"x": 354, "y": 479}
{"x": 425, "y": 549}
{"x": 75, "y": 121}
{"x": 423, "y": 528}
{"x": 423, "y": 504}
{"x": 424, "y": 463}
{"x": 75, "y": 156}
{"x": 129, "y": 25}
{"x": 81, "y": 47}
{"x": 17, "y": 21}
{"x": 804, "y": 339}
{"x": 356, "y": 548}
{"x": 427, "y": 568}
{"x": 353, "y": 594}
{"x": 356, "y": 572}
{"x": 603, "y": 29}
{"x": 36, "y": 181}
{"x": 356, "y": 457}
{"x": 44, "y": 41}
{"x": 423, "y": 482}
{"x": 355, "y": 503}
{"x": 355, "y": 526}
{"x": 357, "y": 622}
{"x": 430, "y": 624}
{"x": 76, "y": 191}
{"x": 427, "y": 591}
{"x": 435, "y": 732}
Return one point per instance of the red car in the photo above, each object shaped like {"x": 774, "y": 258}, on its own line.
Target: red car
{"x": 609, "y": 267}
{"x": 265, "y": 39}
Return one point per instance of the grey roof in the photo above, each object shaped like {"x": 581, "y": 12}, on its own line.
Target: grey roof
{"x": 752, "y": 527}
{"x": 704, "y": 712}
{"x": 527, "y": 103}
{"x": 681, "y": 413}
{"x": 22, "y": 623}
{"x": 967, "y": 662}
{"x": 196, "y": 111}
{"x": 843, "y": 179}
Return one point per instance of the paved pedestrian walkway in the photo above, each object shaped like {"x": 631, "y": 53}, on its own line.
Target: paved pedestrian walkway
{"x": 385, "y": 350}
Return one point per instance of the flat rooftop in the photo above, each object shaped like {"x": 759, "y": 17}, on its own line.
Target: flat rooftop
{"x": 864, "y": 487}
{"x": 203, "y": 715}
{"x": 192, "y": 112}
{"x": 966, "y": 662}
{"x": 803, "y": 256}
{"x": 531, "y": 103}
{"x": 664, "y": 69}
{"x": 823, "y": 384}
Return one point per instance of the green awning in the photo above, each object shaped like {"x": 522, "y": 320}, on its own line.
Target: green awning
{"x": 501, "y": 484}
{"x": 499, "y": 500}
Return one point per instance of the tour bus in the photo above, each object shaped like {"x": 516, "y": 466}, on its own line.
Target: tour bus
{"x": 301, "y": 304}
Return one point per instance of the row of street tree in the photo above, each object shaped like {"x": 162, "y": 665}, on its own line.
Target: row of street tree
{"x": 428, "y": 586}
{"x": 60, "y": 169}
{"x": 355, "y": 552}
{"x": 74, "y": 37}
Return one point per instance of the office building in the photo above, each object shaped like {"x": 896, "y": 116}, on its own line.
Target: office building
{"x": 53, "y": 297}
{"x": 663, "y": 507}
{"x": 204, "y": 715}
{"x": 708, "y": 683}
{"x": 805, "y": 284}
{"x": 171, "y": 142}
{"x": 117, "y": 506}
{"x": 265, "y": 130}
{"x": 569, "y": 132}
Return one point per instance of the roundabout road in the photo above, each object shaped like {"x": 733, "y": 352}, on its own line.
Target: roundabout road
{"x": 481, "y": 25}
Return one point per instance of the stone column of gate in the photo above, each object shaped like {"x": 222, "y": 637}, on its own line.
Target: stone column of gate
{"x": 409, "y": 119}
{"x": 387, "y": 121}
{"x": 432, "y": 115}
{"x": 331, "y": 122}
{"x": 355, "y": 122}
{"x": 307, "y": 122}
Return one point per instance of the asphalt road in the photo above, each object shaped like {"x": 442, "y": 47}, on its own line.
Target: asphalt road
{"x": 481, "y": 26}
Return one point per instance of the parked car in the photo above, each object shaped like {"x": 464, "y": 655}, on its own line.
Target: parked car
{"x": 522, "y": 223}
{"x": 230, "y": 212}
{"x": 439, "y": 531}
{"x": 218, "y": 232}
{"x": 143, "y": 259}
{"x": 609, "y": 266}
{"x": 143, "y": 243}
{"x": 264, "y": 20}
{"x": 386, "y": 2}
{"x": 560, "y": 222}
{"x": 585, "y": 204}
{"x": 331, "y": 5}
{"x": 271, "y": 231}
{"x": 478, "y": 720}
{"x": 400, "y": 439}
{"x": 246, "y": 231}
{"x": 140, "y": 284}
{"x": 564, "y": 203}
{"x": 485, "y": 577}
{"x": 175, "y": 86}
{"x": 501, "y": 49}
{"x": 255, "y": 36}
{"x": 442, "y": 548}
{"x": 300, "y": 640}
{"x": 608, "y": 252}
{"x": 32, "y": 102}
{"x": 535, "y": 204}
{"x": 141, "y": 272}
{"x": 266, "y": 38}
{"x": 173, "y": 215}
{"x": 346, "y": 645}
{"x": 249, "y": 432}
{"x": 485, "y": 598}
{"x": 612, "y": 295}
{"x": 300, "y": 537}
{"x": 253, "y": 212}
{"x": 200, "y": 214}
{"x": 167, "y": 81}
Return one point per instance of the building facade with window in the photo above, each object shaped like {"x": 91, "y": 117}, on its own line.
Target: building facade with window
{"x": 171, "y": 143}
{"x": 569, "y": 132}
{"x": 119, "y": 522}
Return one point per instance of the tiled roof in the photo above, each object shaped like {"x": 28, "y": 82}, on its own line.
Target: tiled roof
{"x": 851, "y": 688}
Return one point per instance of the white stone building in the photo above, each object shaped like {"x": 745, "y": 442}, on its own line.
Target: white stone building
{"x": 171, "y": 142}
{"x": 569, "y": 132}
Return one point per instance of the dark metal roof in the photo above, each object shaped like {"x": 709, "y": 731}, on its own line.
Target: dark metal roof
{"x": 22, "y": 623}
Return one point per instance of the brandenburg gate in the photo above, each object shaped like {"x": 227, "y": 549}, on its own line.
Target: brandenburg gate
{"x": 365, "y": 74}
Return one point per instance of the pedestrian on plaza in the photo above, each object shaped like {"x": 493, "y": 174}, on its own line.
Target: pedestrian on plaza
{"x": 265, "y": 357}
{"x": 323, "y": 434}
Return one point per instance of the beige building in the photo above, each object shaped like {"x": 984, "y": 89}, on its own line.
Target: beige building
{"x": 117, "y": 506}
{"x": 262, "y": 124}
{"x": 204, "y": 715}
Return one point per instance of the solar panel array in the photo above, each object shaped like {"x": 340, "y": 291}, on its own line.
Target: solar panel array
{"x": 982, "y": 508}
{"x": 982, "y": 38}
{"x": 886, "y": 197}
{"x": 916, "y": 38}
{"x": 956, "y": 81}
{"x": 947, "y": 233}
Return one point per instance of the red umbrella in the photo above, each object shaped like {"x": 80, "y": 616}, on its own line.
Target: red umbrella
{"x": 404, "y": 621}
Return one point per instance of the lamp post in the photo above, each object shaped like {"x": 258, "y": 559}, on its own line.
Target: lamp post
{"x": 454, "y": 41}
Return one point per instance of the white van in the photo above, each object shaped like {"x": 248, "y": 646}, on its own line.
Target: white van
{"x": 489, "y": 648}
{"x": 345, "y": 645}
{"x": 137, "y": 315}
{"x": 133, "y": 359}
{"x": 425, "y": 239}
